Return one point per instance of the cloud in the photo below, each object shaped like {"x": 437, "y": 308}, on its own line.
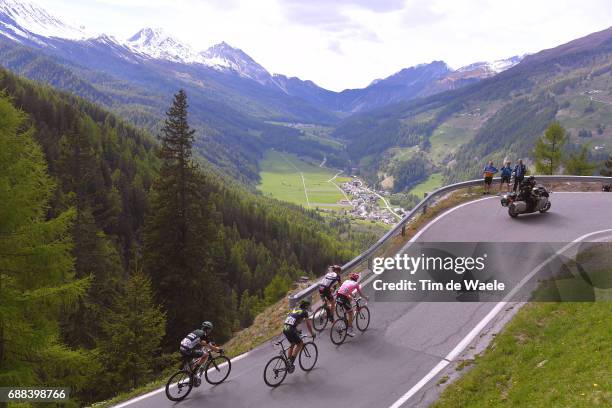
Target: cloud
{"x": 334, "y": 17}
{"x": 420, "y": 13}
{"x": 335, "y": 46}
{"x": 377, "y": 6}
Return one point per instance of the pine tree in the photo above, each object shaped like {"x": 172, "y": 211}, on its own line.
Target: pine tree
{"x": 95, "y": 256}
{"x": 578, "y": 163}
{"x": 548, "y": 149}
{"x": 180, "y": 233}
{"x": 133, "y": 331}
{"x": 606, "y": 170}
{"x": 37, "y": 279}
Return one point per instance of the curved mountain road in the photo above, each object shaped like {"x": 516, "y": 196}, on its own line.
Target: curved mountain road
{"x": 406, "y": 340}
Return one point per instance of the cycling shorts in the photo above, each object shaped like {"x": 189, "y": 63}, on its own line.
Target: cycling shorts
{"x": 343, "y": 300}
{"x": 292, "y": 334}
{"x": 505, "y": 179}
{"x": 325, "y": 293}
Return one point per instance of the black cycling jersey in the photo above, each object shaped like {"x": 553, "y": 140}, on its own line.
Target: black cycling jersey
{"x": 295, "y": 317}
{"x": 193, "y": 340}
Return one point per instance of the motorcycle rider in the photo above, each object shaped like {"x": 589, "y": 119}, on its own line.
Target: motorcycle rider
{"x": 526, "y": 192}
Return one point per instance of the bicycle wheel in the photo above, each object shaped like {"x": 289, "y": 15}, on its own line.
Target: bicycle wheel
{"x": 319, "y": 319}
{"x": 340, "y": 310}
{"x": 363, "y": 318}
{"x": 275, "y": 371}
{"x": 337, "y": 333}
{"x": 217, "y": 370}
{"x": 308, "y": 356}
{"x": 182, "y": 388}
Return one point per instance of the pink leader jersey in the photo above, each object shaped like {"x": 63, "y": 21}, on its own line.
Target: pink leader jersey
{"x": 348, "y": 287}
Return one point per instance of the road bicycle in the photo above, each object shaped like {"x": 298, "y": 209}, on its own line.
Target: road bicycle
{"x": 215, "y": 370}
{"x": 361, "y": 318}
{"x": 277, "y": 368}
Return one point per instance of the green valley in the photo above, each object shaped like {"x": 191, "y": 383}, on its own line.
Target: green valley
{"x": 286, "y": 177}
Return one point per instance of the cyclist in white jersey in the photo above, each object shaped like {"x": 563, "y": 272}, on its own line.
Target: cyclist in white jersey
{"x": 326, "y": 287}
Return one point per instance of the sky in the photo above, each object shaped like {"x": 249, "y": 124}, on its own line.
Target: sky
{"x": 342, "y": 44}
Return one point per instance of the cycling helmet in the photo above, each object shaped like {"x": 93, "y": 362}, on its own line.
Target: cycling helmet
{"x": 336, "y": 268}
{"x": 305, "y": 304}
{"x": 354, "y": 276}
{"x": 207, "y": 325}
{"x": 199, "y": 333}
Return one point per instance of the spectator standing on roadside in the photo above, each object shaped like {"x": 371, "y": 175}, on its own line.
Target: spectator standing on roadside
{"x": 506, "y": 174}
{"x": 488, "y": 173}
{"x": 519, "y": 174}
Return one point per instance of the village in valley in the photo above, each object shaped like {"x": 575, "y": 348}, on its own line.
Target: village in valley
{"x": 367, "y": 204}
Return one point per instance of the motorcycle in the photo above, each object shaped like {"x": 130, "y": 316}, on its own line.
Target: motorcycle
{"x": 518, "y": 205}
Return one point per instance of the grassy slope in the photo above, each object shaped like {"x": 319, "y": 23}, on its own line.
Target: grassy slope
{"x": 551, "y": 354}
{"x": 433, "y": 182}
{"x": 280, "y": 179}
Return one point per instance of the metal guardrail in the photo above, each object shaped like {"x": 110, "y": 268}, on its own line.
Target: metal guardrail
{"x": 368, "y": 254}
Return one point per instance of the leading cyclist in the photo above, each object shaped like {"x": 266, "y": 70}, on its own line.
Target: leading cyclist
{"x": 326, "y": 287}
{"x": 345, "y": 295}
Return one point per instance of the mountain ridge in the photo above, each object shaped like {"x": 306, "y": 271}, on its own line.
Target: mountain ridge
{"x": 155, "y": 43}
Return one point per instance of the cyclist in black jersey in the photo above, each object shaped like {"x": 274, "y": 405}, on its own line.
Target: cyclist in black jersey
{"x": 192, "y": 345}
{"x": 328, "y": 284}
{"x": 291, "y": 332}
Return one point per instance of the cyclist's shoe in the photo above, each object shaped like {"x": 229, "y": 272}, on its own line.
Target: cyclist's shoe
{"x": 350, "y": 332}
{"x": 197, "y": 382}
{"x": 290, "y": 367}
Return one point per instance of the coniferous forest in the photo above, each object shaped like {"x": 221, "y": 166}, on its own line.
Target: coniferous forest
{"x": 115, "y": 243}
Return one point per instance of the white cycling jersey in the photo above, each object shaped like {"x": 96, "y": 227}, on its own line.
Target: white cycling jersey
{"x": 329, "y": 279}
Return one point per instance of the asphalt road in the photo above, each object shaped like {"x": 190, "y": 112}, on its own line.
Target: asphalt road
{"x": 406, "y": 340}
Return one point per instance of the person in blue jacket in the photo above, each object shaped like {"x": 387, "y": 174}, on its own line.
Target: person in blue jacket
{"x": 506, "y": 174}
{"x": 488, "y": 172}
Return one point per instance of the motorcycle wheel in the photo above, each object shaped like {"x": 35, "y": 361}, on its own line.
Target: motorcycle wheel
{"x": 511, "y": 212}
{"x": 546, "y": 207}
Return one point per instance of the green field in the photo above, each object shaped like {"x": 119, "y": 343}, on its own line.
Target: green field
{"x": 281, "y": 179}
{"x": 446, "y": 139}
{"x": 433, "y": 182}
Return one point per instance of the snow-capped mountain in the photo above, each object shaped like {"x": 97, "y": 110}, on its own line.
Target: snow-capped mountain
{"x": 493, "y": 67}
{"x": 224, "y": 56}
{"x": 20, "y": 19}
{"x": 155, "y": 43}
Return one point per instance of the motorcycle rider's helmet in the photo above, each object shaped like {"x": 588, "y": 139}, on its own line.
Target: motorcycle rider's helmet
{"x": 354, "y": 276}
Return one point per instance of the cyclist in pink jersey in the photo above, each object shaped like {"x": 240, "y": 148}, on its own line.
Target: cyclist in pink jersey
{"x": 345, "y": 296}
